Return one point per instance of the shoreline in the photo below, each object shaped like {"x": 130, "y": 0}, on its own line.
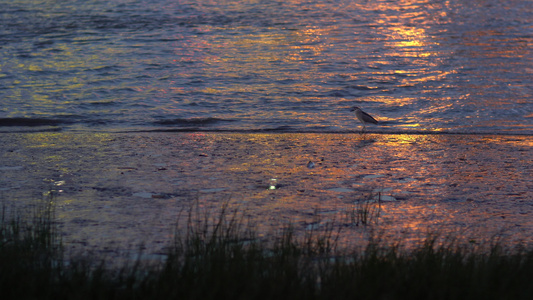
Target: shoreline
{"x": 54, "y": 129}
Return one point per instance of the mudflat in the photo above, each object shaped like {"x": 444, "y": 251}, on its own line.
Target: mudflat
{"x": 115, "y": 191}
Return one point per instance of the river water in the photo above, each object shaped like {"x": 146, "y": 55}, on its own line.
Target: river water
{"x": 289, "y": 66}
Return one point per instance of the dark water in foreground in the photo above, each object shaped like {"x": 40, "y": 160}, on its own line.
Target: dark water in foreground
{"x": 118, "y": 189}
{"x": 420, "y": 65}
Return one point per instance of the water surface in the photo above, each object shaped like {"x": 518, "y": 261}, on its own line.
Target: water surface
{"x": 291, "y": 66}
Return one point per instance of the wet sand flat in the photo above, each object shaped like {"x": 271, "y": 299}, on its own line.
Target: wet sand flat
{"x": 114, "y": 191}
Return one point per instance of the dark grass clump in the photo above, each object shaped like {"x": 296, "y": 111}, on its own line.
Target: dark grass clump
{"x": 220, "y": 257}
{"x": 431, "y": 272}
{"x": 30, "y": 252}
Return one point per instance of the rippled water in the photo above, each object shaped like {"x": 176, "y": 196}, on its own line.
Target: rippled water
{"x": 420, "y": 65}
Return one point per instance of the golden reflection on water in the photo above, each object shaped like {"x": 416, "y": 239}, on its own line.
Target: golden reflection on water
{"x": 329, "y": 54}
{"x": 62, "y": 152}
{"x": 439, "y": 181}
{"x": 404, "y": 36}
{"x": 279, "y": 60}
{"x": 45, "y": 77}
{"x": 426, "y": 165}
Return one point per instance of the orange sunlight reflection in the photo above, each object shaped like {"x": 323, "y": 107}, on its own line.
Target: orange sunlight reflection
{"x": 429, "y": 183}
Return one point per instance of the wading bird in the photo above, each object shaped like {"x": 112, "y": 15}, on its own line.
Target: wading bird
{"x": 363, "y": 117}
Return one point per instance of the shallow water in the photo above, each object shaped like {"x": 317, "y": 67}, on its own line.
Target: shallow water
{"x": 116, "y": 191}
{"x": 290, "y": 66}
